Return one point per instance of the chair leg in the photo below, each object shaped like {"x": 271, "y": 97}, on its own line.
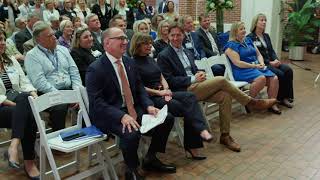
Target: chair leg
{"x": 42, "y": 155}
{"x": 52, "y": 163}
{"x": 109, "y": 161}
{"x": 179, "y": 131}
{"x": 102, "y": 163}
{"x": 77, "y": 159}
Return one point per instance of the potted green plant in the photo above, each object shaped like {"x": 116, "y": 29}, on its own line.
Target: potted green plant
{"x": 302, "y": 24}
{"x": 219, "y": 6}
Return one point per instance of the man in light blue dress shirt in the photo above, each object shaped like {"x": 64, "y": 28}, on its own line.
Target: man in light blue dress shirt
{"x": 50, "y": 67}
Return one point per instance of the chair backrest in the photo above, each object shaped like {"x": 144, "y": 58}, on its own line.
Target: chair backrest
{"x": 202, "y": 64}
{"x": 85, "y": 97}
{"x": 54, "y": 98}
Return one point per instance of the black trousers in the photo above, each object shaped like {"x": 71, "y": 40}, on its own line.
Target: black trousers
{"x": 285, "y": 76}
{"x": 57, "y": 115}
{"x": 129, "y": 142}
{"x": 21, "y": 120}
{"x": 185, "y": 104}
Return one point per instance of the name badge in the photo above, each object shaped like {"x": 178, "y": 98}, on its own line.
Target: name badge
{"x": 257, "y": 43}
{"x": 5, "y": 8}
{"x": 189, "y": 45}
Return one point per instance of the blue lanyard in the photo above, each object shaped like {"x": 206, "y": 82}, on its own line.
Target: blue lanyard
{"x": 55, "y": 64}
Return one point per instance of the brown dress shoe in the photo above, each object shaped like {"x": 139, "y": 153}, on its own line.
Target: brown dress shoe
{"x": 261, "y": 104}
{"x": 229, "y": 142}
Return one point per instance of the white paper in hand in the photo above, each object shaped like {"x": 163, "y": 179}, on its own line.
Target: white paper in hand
{"x": 150, "y": 121}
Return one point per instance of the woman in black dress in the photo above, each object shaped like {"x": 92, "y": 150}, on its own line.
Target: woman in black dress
{"x": 283, "y": 71}
{"x": 163, "y": 37}
{"x": 181, "y": 103}
{"x": 81, "y": 51}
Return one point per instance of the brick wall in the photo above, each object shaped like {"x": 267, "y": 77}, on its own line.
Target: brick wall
{"x": 190, "y": 7}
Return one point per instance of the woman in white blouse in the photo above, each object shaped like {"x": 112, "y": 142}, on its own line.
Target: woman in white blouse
{"x": 15, "y": 111}
{"x": 50, "y": 11}
{"x": 82, "y": 10}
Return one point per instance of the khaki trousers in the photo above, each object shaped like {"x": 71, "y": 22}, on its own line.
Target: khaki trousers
{"x": 221, "y": 91}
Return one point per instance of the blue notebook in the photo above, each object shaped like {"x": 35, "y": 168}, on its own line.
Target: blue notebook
{"x": 84, "y": 133}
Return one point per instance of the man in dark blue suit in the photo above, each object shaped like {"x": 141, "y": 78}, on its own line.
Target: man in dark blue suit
{"x": 162, "y": 8}
{"x": 118, "y": 99}
{"x": 209, "y": 43}
{"x": 191, "y": 40}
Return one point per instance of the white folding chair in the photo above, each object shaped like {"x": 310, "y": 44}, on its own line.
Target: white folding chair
{"x": 52, "y": 141}
{"x": 114, "y": 146}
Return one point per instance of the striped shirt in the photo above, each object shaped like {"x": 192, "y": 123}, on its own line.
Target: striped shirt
{"x": 6, "y": 81}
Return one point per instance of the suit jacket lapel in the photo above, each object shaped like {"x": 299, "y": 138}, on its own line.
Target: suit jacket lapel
{"x": 109, "y": 67}
{"x": 190, "y": 58}
{"x": 205, "y": 35}
{"x": 176, "y": 59}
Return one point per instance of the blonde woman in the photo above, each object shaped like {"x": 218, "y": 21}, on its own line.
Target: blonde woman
{"x": 248, "y": 65}
{"x": 50, "y": 11}
{"x": 82, "y": 10}
{"x": 283, "y": 71}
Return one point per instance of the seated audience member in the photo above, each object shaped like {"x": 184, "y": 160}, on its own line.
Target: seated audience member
{"x": 163, "y": 40}
{"x": 24, "y": 8}
{"x": 105, "y": 12}
{"x": 50, "y": 67}
{"x": 68, "y": 10}
{"x": 94, "y": 25}
{"x": 248, "y": 65}
{"x": 81, "y": 51}
{"x": 142, "y": 11}
{"x": 15, "y": 111}
{"x": 66, "y": 27}
{"x": 263, "y": 42}
{"x": 38, "y": 7}
{"x": 50, "y": 11}
{"x": 55, "y": 26}
{"x": 77, "y": 23}
{"x": 171, "y": 14}
{"x": 180, "y": 103}
{"x": 118, "y": 108}
{"x": 119, "y": 22}
{"x": 209, "y": 43}
{"x": 152, "y": 33}
{"x": 11, "y": 49}
{"x": 191, "y": 40}
{"x": 141, "y": 26}
{"x": 126, "y": 12}
{"x": 82, "y": 10}
{"x": 6, "y": 7}
{"x": 26, "y": 34}
{"x": 156, "y": 19}
{"x": 20, "y": 24}
{"x": 178, "y": 67}
{"x": 162, "y": 7}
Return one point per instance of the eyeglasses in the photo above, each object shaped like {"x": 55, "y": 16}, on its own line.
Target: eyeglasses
{"x": 122, "y": 38}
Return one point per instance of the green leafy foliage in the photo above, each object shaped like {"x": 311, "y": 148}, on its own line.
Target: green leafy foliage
{"x": 302, "y": 23}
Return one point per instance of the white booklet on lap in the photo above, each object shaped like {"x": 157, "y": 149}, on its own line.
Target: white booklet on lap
{"x": 149, "y": 121}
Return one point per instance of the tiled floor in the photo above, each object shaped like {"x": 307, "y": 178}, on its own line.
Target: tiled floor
{"x": 273, "y": 147}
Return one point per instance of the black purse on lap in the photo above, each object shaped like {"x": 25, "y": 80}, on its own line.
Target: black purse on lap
{"x": 12, "y": 94}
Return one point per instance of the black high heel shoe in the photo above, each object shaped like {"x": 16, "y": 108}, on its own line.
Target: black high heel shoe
{"x": 30, "y": 177}
{"x": 198, "y": 158}
{"x": 14, "y": 165}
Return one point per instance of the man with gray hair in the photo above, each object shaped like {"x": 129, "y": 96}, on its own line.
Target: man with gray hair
{"x": 26, "y": 34}
{"x": 94, "y": 27}
{"x": 50, "y": 67}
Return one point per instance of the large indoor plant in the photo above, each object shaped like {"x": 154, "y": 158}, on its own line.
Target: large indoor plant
{"x": 301, "y": 27}
{"x": 218, "y": 6}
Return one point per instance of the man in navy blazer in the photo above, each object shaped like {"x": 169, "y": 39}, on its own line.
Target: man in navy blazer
{"x": 209, "y": 43}
{"x": 108, "y": 109}
{"x": 178, "y": 67}
{"x": 162, "y": 8}
{"x": 191, "y": 40}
